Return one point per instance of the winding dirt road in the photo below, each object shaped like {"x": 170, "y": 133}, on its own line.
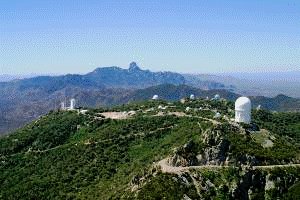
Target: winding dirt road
{"x": 166, "y": 168}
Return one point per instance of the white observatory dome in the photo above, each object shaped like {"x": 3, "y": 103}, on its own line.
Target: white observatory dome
{"x": 72, "y": 104}
{"x": 242, "y": 104}
{"x": 192, "y": 97}
{"x": 216, "y": 97}
{"x": 218, "y": 115}
{"x": 155, "y": 97}
{"x": 243, "y": 110}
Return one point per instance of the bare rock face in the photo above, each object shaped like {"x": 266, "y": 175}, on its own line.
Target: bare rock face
{"x": 184, "y": 156}
{"x": 215, "y": 155}
{"x": 248, "y": 160}
{"x": 133, "y": 67}
{"x": 216, "y": 151}
{"x": 251, "y": 180}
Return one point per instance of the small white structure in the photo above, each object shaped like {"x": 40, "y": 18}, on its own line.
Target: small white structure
{"x": 192, "y": 97}
{"x": 72, "y": 104}
{"x": 243, "y": 110}
{"x": 187, "y": 109}
{"x": 217, "y": 115}
{"x": 216, "y": 97}
{"x": 83, "y": 111}
{"x": 155, "y": 97}
{"x": 62, "y": 106}
{"x": 258, "y": 107}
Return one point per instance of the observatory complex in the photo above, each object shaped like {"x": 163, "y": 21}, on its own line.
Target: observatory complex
{"x": 72, "y": 105}
{"x": 243, "y": 110}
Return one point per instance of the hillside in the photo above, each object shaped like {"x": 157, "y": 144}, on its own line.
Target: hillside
{"x": 18, "y": 108}
{"x": 113, "y": 153}
{"x": 171, "y": 92}
{"x": 24, "y": 100}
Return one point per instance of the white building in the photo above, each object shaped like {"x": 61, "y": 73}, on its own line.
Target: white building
{"x": 72, "y": 104}
{"x": 155, "y": 97}
{"x": 192, "y": 97}
{"x": 217, "y": 97}
{"x": 258, "y": 107}
{"x": 217, "y": 115}
{"x": 243, "y": 110}
{"x": 62, "y": 106}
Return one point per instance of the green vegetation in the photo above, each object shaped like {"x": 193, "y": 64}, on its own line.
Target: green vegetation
{"x": 47, "y": 132}
{"x": 67, "y": 155}
{"x": 165, "y": 186}
{"x": 91, "y": 162}
{"x": 280, "y": 123}
{"x": 293, "y": 192}
{"x": 224, "y": 184}
{"x": 281, "y": 151}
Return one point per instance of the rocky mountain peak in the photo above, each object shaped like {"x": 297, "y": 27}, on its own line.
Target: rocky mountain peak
{"x": 133, "y": 67}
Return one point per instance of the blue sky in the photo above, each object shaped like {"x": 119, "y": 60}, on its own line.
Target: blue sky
{"x": 72, "y": 36}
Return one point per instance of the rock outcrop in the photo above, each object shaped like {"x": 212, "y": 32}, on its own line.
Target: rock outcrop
{"x": 184, "y": 156}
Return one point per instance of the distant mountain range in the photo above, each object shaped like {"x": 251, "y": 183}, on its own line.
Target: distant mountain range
{"x": 172, "y": 92}
{"x": 133, "y": 77}
{"x": 22, "y": 101}
{"x": 6, "y": 77}
{"x": 109, "y": 77}
{"x": 253, "y": 84}
{"x": 287, "y": 76}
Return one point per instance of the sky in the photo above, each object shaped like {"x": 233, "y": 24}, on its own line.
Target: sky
{"x": 190, "y": 36}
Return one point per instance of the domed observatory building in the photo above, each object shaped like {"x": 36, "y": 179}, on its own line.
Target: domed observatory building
{"x": 72, "y": 104}
{"x": 243, "y": 110}
{"x": 155, "y": 97}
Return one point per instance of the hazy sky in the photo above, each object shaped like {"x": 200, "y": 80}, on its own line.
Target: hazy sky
{"x": 60, "y": 36}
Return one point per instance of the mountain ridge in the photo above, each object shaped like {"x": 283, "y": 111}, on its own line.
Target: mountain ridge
{"x": 24, "y": 100}
{"x": 74, "y": 155}
{"x": 29, "y": 106}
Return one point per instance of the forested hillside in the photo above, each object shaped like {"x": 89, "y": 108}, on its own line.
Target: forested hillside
{"x": 153, "y": 150}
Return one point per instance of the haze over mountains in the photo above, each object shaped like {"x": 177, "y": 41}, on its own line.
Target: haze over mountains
{"x": 7, "y": 77}
{"x": 22, "y": 101}
{"x": 259, "y": 83}
{"x": 246, "y": 83}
